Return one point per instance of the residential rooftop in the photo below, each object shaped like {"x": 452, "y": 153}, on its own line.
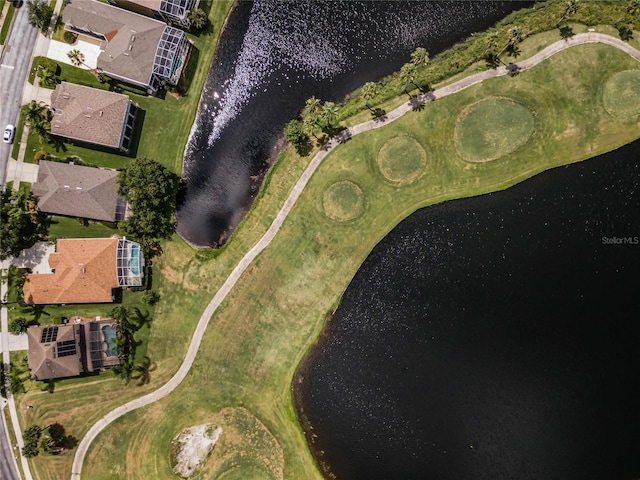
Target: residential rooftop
{"x": 91, "y": 115}
{"x": 78, "y": 191}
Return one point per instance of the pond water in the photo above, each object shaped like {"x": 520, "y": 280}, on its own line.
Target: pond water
{"x": 494, "y": 337}
{"x": 273, "y": 56}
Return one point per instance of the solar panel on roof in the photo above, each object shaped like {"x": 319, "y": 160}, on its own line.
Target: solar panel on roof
{"x": 49, "y": 334}
{"x": 66, "y": 348}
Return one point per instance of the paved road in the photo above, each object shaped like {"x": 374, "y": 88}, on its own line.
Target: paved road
{"x": 8, "y": 467}
{"x": 266, "y": 239}
{"x": 14, "y": 69}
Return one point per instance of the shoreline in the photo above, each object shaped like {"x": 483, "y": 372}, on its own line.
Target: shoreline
{"x": 242, "y": 266}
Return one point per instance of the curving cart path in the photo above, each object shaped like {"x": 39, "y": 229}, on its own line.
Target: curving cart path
{"x": 266, "y": 239}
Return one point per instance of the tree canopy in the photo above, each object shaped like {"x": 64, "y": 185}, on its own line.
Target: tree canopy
{"x": 150, "y": 189}
{"x": 198, "y": 19}
{"x": 19, "y": 325}
{"x": 296, "y": 135}
{"x": 21, "y": 224}
{"x": 39, "y": 13}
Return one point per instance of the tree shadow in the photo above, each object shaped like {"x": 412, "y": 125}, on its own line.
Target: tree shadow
{"x": 345, "y": 136}
{"x": 333, "y": 130}
{"x": 69, "y": 442}
{"x": 137, "y": 132}
{"x": 513, "y": 69}
{"x": 378, "y": 112}
{"x": 566, "y": 32}
{"x": 417, "y": 104}
{"x": 304, "y": 149}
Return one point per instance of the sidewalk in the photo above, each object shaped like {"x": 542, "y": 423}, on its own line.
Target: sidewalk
{"x": 17, "y": 170}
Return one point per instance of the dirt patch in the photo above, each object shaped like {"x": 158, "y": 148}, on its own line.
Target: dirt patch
{"x": 192, "y": 446}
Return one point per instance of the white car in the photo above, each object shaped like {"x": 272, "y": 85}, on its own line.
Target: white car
{"x": 8, "y": 133}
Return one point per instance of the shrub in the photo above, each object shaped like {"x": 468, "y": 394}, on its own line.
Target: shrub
{"x": 19, "y": 325}
{"x": 50, "y": 65}
{"x": 69, "y": 37}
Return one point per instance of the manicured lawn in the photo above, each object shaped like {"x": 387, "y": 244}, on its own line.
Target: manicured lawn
{"x": 492, "y": 128}
{"x": 66, "y": 227}
{"x": 6, "y": 23}
{"x": 164, "y": 124}
{"x": 257, "y": 338}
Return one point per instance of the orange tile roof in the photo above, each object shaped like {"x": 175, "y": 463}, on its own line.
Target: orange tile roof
{"x": 85, "y": 272}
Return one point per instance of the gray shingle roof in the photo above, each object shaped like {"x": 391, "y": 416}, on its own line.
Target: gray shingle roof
{"x": 88, "y": 114}
{"x": 132, "y": 39}
{"x": 78, "y": 191}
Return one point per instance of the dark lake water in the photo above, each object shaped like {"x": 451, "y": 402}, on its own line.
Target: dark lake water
{"x": 494, "y": 337}
{"x": 276, "y": 54}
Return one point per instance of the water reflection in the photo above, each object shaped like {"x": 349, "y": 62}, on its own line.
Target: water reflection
{"x": 275, "y": 55}
{"x": 491, "y": 337}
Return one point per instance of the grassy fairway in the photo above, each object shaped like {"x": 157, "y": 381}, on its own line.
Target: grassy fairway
{"x": 259, "y": 335}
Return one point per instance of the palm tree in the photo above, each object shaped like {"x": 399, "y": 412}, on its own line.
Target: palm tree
{"x": 311, "y": 106}
{"x": 515, "y": 37}
{"x": 47, "y": 77}
{"x": 35, "y": 112}
{"x": 408, "y": 75}
{"x": 38, "y": 117}
{"x": 125, "y": 326}
{"x": 571, "y": 8}
{"x": 492, "y": 59}
{"x": 419, "y": 56}
{"x": 329, "y": 112}
{"x": 309, "y": 126}
{"x": 142, "y": 370}
{"x": 369, "y": 91}
{"x": 139, "y": 317}
{"x": 76, "y": 57}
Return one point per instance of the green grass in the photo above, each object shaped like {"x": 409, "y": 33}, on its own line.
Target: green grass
{"x": 492, "y": 128}
{"x": 401, "y": 159}
{"x": 6, "y": 23}
{"x": 67, "y": 227}
{"x": 163, "y": 125}
{"x": 13, "y": 439}
{"x": 261, "y": 332}
{"x": 343, "y": 201}
{"x": 621, "y": 94}
{"x": 15, "y": 148}
{"x": 465, "y": 57}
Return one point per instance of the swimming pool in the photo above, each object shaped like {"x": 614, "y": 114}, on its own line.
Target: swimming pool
{"x": 134, "y": 261}
{"x": 110, "y": 336}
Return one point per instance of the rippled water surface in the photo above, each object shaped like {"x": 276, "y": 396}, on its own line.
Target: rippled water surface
{"x": 276, "y": 54}
{"x": 494, "y": 337}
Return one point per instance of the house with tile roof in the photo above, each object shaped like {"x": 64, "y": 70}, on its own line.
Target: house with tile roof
{"x": 174, "y": 12}
{"x": 92, "y": 115}
{"x": 86, "y": 270}
{"x": 67, "y": 350}
{"x": 136, "y": 49}
{"x": 77, "y": 191}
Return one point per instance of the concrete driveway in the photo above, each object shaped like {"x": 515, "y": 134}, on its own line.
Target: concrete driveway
{"x": 89, "y": 47}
